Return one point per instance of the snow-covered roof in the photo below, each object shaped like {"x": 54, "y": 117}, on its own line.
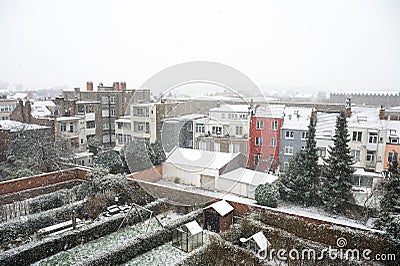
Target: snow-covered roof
{"x": 199, "y": 159}
{"x": 325, "y": 126}
{"x": 193, "y": 227}
{"x": 222, "y": 207}
{"x": 15, "y": 126}
{"x": 237, "y": 108}
{"x": 365, "y": 117}
{"x": 19, "y": 95}
{"x": 270, "y": 110}
{"x": 296, "y": 118}
{"x": 249, "y": 176}
{"x": 41, "y": 108}
{"x": 261, "y": 240}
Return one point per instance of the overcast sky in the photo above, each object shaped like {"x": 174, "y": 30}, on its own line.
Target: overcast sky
{"x": 319, "y": 45}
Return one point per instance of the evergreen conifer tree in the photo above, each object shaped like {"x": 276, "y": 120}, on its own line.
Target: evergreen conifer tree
{"x": 301, "y": 182}
{"x": 389, "y": 215}
{"x": 337, "y": 173}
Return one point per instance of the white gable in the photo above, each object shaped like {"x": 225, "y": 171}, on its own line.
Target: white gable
{"x": 222, "y": 207}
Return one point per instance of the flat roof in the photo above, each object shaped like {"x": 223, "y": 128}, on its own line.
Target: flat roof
{"x": 249, "y": 176}
{"x": 199, "y": 159}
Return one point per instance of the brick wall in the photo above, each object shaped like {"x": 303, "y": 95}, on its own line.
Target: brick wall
{"x": 24, "y": 183}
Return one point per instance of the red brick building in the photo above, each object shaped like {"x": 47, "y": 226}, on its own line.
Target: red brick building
{"x": 263, "y": 149}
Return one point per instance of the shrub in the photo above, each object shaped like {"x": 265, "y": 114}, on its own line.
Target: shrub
{"x": 267, "y": 195}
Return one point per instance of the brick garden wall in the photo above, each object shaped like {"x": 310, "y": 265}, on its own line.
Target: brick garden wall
{"x": 16, "y": 185}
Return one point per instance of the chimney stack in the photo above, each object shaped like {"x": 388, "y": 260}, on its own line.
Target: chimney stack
{"x": 382, "y": 113}
{"x": 89, "y": 86}
{"x": 123, "y": 86}
{"x": 348, "y": 107}
{"x": 116, "y": 86}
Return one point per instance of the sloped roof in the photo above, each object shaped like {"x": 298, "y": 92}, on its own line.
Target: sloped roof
{"x": 193, "y": 227}
{"x": 41, "y": 108}
{"x": 222, "y": 207}
{"x": 199, "y": 159}
{"x": 296, "y": 118}
{"x": 270, "y": 110}
{"x": 249, "y": 176}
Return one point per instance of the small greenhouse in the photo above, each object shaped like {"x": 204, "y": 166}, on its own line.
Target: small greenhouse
{"x": 188, "y": 237}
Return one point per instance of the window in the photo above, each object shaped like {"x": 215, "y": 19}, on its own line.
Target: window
{"x": 106, "y": 126}
{"x": 90, "y": 124}
{"x": 89, "y": 109}
{"x": 235, "y": 148}
{"x": 119, "y": 125}
{"x": 200, "y": 128}
{"x": 81, "y": 109}
{"x": 370, "y": 156}
{"x": 105, "y": 113}
{"x": 63, "y": 127}
{"x": 373, "y": 137}
{"x": 357, "y": 135}
{"x": 81, "y": 141}
{"x": 239, "y": 130}
{"x": 288, "y": 150}
{"x": 289, "y": 134}
{"x": 257, "y": 158}
{"x": 216, "y": 146}
{"x": 243, "y": 116}
{"x": 204, "y": 146}
{"x": 273, "y": 142}
{"x": 393, "y": 156}
{"x": 113, "y": 112}
{"x": 393, "y": 139}
{"x": 223, "y": 115}
{"x": 258, "y": 141}
{"x": 356, "y": 154}
{"x": 140, "y": 126}
{"x": 304, "y": 135}
{"x": 216, "y": 130}
{"x": 274, "y": 125}
{"x": 71, "y": 127}
{"x": 112, "y": 99}
{"x": 104, "y": 100}
{"x": 147, "y": 128}
{"x": 321, "y": 152}
{"x": 285, "y": 165}
{"x": 259, "y": 124}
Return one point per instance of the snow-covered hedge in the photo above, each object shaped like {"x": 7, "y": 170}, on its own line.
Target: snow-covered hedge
{"x": 46, "y": 247}
{"x": 28, "y": 225}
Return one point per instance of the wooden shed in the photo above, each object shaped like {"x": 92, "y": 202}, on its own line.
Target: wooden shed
{"x": 218, "y": 216}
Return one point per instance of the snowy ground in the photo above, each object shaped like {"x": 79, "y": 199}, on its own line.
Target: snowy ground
{"x": 83, "y": 252}
{"x": 165, "y": 254}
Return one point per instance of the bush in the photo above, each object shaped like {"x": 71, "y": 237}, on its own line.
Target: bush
{"x": 267, "y": 195}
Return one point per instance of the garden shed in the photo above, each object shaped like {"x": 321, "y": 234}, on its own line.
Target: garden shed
{"x": 188, "y": 237}
{"x": 218, "y": 216}
{"x": 257, "y": 243}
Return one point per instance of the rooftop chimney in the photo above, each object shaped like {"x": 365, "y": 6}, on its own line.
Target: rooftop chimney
{"x": 382, "y": 113}
{"x": 116, "y": 86}
{"x": 348, "y": 107}
{"x": 89, "y": 86}
{"x": 122, "y": 86}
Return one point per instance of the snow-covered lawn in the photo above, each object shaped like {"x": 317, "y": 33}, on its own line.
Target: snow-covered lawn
{"x": 165, "y": 254}
{"x": 83, "y": 252}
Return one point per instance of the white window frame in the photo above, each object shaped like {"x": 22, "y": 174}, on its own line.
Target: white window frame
{"x": 259, "y": 124}
{"x": 274, "y": 125}
{"x": 258, "y": 141}
{"x": 289, "y": 134}
{"x": 273, "y": 142}
{"x": 289, "y": 150}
